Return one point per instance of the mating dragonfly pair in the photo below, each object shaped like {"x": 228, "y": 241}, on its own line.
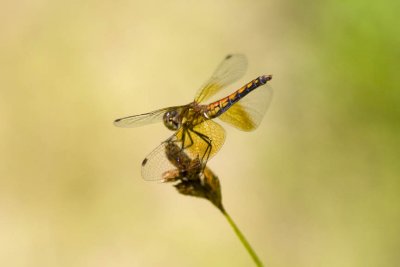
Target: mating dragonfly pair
{"x": 195, "y": 132}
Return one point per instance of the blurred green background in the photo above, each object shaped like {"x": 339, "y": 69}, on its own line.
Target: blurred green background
{"x": 316, "y": 185}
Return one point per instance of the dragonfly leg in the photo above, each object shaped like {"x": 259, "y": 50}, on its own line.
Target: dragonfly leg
{"x": 187, "y": 136}
{"x": 207, "y": 140}
{"x": 184, "y": 134}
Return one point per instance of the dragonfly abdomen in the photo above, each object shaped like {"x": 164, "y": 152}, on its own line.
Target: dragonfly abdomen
{"x": 218, "y": 107}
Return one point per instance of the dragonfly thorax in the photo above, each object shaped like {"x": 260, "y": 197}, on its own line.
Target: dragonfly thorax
{"x": 172, "y": 120}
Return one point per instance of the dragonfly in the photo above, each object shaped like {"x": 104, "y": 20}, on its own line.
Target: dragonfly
{"x": 195, "y": 130}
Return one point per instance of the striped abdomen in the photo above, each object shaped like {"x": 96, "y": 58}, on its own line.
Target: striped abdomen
{"x": 218, "y": 107}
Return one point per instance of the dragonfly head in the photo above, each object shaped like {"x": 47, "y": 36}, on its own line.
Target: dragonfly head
{"x": 172, "y": 119}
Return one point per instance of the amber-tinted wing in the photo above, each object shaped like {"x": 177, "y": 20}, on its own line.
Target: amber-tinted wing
{"x": 196, "y": 145}
{"x": 248, "y": 112}
{"x": 230, "y": 70}
{"x": 142, "y": 119}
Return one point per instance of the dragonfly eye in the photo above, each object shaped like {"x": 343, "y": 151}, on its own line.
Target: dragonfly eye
{"x": 172, "y": 120}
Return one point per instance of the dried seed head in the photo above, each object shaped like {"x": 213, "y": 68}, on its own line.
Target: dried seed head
{"x": 208, "y": 188}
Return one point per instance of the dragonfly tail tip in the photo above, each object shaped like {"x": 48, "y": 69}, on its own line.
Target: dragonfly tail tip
{"x": 265, "y": 78}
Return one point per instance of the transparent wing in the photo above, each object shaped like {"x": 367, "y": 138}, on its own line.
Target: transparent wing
{"x": 156, "y": 164}
{"x": 142, "y": 119}
{"x": 230, "y": 70}
{"x": 167, "y": 162}
{"x": 247, "y": 113}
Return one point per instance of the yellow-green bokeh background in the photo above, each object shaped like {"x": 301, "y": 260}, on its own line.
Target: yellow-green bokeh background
{"x": 316, "y": 185}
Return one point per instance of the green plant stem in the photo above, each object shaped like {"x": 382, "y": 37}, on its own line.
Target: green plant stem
{"x": 242, "y": 239}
